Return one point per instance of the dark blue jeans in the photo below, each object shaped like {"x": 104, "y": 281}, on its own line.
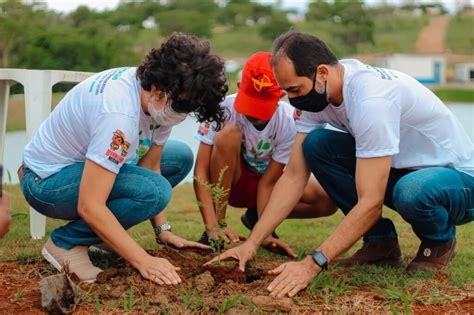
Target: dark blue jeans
{"x": 432, "y": 200}
{"x": 138, "y": 194}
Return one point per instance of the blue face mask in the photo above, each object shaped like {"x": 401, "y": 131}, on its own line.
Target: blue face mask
{"x": 311, "y": 102}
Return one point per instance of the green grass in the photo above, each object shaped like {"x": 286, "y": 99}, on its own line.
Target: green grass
{"x": 16, "y": 111}
{"x": 239, "y": 43}
{"x": 395, "y": 34}
{"x": 391, "y": 35}
{"x": 460, "y": 37}
{"x": 455, "y": 95}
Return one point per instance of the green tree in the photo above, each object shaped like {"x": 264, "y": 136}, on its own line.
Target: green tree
{"x": 352, "y": 22}
{"x": 237, "y": 13}
{"x": 319, "y": 10}
{"x": 277, "y": 24}
{"x": 16, "y": 19}
{"x": 190, "y": 22}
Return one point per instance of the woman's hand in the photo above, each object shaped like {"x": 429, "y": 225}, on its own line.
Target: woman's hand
{"x": 168, "y": 238}
{"x": 159, "y": 270}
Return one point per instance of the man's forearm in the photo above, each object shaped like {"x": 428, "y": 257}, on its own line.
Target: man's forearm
{"x": 359, "y": 220}
{"x": 263, "y": 195}
{"x": 285, "y": 195}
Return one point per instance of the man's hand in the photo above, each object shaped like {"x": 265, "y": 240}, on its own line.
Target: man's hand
{"x": 5, "y": 218}
{"x": 292, "y": 277}
{"x": 168, "y": 238}
{"x": 278, "y": 246}
{"x": 226, "y": 234}
{"x": 242, "y": 253}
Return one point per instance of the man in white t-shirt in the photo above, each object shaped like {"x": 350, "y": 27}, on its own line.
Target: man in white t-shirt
{"x": 253, "y": 148}
{"x": 102, "y": 160}
{"x": 402, "y": 148}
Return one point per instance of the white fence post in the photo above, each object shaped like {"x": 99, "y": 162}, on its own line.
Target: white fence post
{"x": 38, "y": 93}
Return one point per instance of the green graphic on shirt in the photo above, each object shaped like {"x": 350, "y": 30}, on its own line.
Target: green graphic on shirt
{"x": 145, "y": 144}
{"x": 262, "y": 147}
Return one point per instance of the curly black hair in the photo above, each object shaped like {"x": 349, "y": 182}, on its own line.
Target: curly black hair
{"x": 184, "y": 68}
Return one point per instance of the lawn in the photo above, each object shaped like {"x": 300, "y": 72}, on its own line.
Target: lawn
{"x": 455, "y": 95}
{"x": 363, "y": 289}
{"x": 460, "y": 36}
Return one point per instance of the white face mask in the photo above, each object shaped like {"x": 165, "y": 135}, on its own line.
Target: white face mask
{"x": 167, "y": 116}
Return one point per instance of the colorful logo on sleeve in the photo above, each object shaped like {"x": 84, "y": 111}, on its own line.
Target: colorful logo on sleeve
{"x": 297, "y": 114}
{"x": 118, "y": 142}
{"x": 203, "y": 129}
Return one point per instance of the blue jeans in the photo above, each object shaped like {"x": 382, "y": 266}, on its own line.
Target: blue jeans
{"x": 138, "y": 194}
{"x": 432, "y": 200}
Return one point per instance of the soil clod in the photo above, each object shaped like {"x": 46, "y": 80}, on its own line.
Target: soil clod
{"x": 270, "y": 304}
{"x": 106, "y": 275}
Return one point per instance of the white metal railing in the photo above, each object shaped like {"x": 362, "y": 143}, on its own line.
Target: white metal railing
{"x": 37, "y": 85}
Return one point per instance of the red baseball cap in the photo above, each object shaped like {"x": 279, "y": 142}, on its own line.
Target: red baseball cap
{"x": 259, "y": 92}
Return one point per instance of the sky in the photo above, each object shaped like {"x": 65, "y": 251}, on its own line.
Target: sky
{"x": 70, "y": 5}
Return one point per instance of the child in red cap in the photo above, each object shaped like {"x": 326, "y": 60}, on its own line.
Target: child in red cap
{"x": 253, "y": 147}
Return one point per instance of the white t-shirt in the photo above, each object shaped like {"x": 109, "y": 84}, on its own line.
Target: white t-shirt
{"x": 259, "y": 147}
{"x": 100, "y": 119}
{"x": 389, "y": 113}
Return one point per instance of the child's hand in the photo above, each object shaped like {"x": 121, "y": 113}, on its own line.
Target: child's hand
{"x": 227, "y": 234}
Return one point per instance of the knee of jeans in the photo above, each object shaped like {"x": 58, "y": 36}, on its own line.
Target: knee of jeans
{"x": 228, "y": 138}
{"x": 184, "y": 157}
{"x": 409, "y": 198}
{"x": 159, "y": 192}
{"x": 315, "y": 144}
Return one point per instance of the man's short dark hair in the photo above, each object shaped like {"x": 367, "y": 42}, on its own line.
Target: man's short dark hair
{"x": 184, "y": 68}
{"x": 306, "y": 52}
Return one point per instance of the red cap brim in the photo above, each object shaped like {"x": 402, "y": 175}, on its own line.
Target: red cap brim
{"x": 256, "y": 107}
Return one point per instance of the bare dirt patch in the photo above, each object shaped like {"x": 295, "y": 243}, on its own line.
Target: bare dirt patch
{"x": 431, "y": 37}
{"x": 121, "y": 289}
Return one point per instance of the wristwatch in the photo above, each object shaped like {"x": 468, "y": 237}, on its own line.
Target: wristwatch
{"x": 320, "y": 259}
{"x": 160, "y": 229}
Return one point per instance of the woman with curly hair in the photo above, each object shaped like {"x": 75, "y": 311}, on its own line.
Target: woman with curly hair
{"x": 102, "y": 160}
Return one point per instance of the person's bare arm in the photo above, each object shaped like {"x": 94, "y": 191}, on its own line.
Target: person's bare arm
{"x": 371, "y": 181}
{"x": 267, "y": 183}
{"x": 203, "y": 196}
{"x": 285, "y": 195}
{"x": 152, "y": 161}
{"x": 96, "y": 185}
{"x": 265, "y": 187}
{"x": 5, "y": 218}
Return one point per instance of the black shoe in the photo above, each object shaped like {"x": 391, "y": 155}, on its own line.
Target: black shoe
{"x": 204, "y": 239}
{"x": 250, "y": 218}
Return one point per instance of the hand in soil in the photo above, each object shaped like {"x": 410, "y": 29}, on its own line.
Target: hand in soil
{"x": 226, "y": 234}
{"x": 278, "y": 246}
{"x": 242, "y": 253}
{"x": 159, "y": 270}
{"x": 173, "y": 240}
{"x": 292, "y": 277}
